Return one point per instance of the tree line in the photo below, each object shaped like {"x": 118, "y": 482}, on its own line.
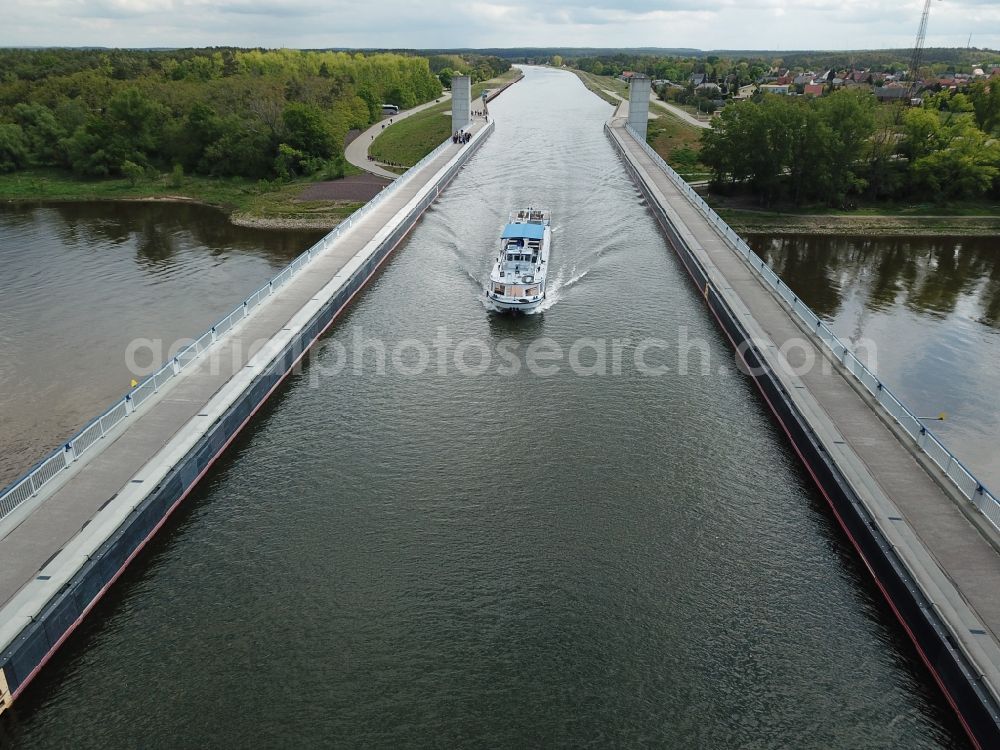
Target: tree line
{"x": 257, "y": 114}
{"x": 844, "y": 147}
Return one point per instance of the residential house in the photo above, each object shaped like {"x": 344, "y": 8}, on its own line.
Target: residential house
{"x": 775, "y": 88}
{"x": 745, "y": 92}
{"x": 814, "y": 89}
{"x": 850, "y": 83}
{"x": 892, "y": 93}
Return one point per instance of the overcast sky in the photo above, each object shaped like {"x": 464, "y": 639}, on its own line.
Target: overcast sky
{"x": 705, "y": 24}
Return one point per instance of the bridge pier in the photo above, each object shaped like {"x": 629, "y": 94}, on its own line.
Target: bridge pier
{"x": 638, "y": 104}
{"x": 461, "y": 103}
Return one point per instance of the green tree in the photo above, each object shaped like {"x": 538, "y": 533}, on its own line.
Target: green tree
{"x": 202, "y": 128}
{"x": 13, "y": 147}
{"x": 849, "y": 119}
{"x": 132, "y": 172}
{"x": 749, "y": 142}
{"x": 921, "y": 133}
{"x": 42, "y": 132}
{"x": 244, "y": 149}
{"x": 964, "y": 165}
{"x": 127, "y": 131}
{"x": 306, "y": 131}
{"x": 986, "y": 104}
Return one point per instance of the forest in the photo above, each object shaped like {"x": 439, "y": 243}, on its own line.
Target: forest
{"x": 845, "y": 147}
{"x": 223, "y": 112}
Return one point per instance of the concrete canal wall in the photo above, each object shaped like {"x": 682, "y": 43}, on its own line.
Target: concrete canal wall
{"x": 953, "y": 630}
{"x": 44, "y": 611}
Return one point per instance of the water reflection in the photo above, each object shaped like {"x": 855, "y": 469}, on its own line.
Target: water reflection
{"x": 931, "y": 275}
{"x": 932, "y": 307}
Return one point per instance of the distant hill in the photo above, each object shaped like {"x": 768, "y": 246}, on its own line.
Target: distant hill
{"x": 790, "y": 58}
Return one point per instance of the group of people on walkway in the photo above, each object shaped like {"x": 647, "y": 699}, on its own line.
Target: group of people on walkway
{"x": 461, "y": 137}
{"x": 387, "y": 163}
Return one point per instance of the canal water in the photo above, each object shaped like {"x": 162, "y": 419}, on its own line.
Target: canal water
{"x": 928, "y": 309}
{"x": 487, "y": 551}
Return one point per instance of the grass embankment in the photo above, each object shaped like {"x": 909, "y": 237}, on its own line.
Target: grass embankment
{"x": 601, "y": 85}
{"x": 261, "y": 204}
{"x": 412, "y": 138}
{"x": 678, "y": 142}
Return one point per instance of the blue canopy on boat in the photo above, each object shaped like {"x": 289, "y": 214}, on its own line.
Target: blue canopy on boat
{"x": 527, "y": 231}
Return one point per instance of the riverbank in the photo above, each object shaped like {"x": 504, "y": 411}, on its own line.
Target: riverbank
{"x": 260, "y": 205}
{"x": 874, "y": 222}
{"x": 256, "y": 205}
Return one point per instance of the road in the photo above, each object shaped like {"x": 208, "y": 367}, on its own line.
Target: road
{"x": 356, "y": 152}
{"x": 671, "y": 108}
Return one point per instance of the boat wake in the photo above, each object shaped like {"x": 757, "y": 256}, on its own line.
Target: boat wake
{"x": 560, "y": 285}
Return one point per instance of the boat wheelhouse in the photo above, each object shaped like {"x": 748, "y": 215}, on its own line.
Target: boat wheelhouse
{"x": 517, "y": 280}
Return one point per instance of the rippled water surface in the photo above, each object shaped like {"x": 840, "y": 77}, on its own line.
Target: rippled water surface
{"x": 502, "y": 560}
{"x": 82, "y": 281}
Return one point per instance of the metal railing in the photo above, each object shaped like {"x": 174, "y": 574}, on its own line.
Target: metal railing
{"x": 62, "y": 458}
{"x": 963, "y": 479}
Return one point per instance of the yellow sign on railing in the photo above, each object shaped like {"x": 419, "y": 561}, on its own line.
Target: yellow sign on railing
{"x": 6, "y": 700}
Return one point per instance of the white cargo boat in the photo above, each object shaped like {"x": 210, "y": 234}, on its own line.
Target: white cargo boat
{"x": 517, "y": 281}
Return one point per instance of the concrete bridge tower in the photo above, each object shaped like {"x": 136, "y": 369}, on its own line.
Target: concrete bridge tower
{"x": 638, "y": 104}
{"x": 461, "y": 102}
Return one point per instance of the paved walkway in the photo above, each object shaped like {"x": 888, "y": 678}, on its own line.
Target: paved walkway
{"x": 678, "y": 112}
{"x": 955, "y": 561}
{"x": 356, "y": 152}
{"x": 147, "y": 442}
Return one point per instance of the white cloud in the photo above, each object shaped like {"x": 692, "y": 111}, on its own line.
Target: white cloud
{"x": 707, "y": 24}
